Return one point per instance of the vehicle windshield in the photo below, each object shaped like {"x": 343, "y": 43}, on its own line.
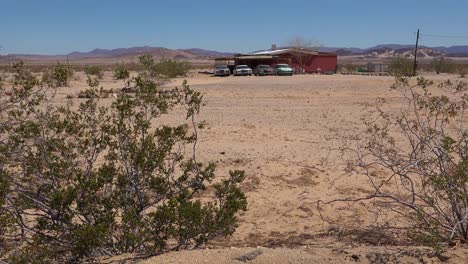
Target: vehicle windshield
{"x": 242, "y": 67}
{"x": 263, "y": 66}
{"x": 282, "y": 66}
{"x": 222, "y": 67}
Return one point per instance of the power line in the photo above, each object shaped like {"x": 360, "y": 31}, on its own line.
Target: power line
{"x": 442, "y": 36}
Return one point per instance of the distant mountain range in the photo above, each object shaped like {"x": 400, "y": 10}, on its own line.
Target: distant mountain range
{"x": 158, "y": 52}
{"x": 379, "y": 51}
{"x": 392, "y": 50}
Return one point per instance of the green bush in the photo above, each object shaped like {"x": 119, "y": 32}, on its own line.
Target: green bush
{"x": 92, "y": 82}
{"x": 57, "y": 76}
{"x": 401, "y": 67}
{"x": 164, "y": 68}
{"x": 95, "y": 180}
{"x": 121, "y": 73}
{"x": 95, "y": 70}
{"x": 171, "y": 68}
{"x": 442, "y": 65}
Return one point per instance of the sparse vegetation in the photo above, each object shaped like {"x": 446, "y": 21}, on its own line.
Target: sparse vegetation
{"x": 122, "y": 73}
{"x": 401, "y": 67}
{"x": 57, "y": 76}
{"x": 92, "y": 82}
{"x": 164, "y": 68}
{"x": 442, "y": 65}
{"x": 423, "y": 150}
{"x": 462, "y": 70}
{"x": 84, "y": 182}
{"x": 94, "y": 70}
{"x": 350, "y": 67}
{"x": 172, "y": 68}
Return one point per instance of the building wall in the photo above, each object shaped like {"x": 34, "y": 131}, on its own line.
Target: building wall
{"x": 312, "y": 63}
{"x": 325, "y": 63}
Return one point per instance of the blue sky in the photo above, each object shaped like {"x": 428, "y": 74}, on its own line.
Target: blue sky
{"x": 62, "y": 26}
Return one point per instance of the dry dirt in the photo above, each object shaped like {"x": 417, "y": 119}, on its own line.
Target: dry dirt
{"x": 281, "y": 131}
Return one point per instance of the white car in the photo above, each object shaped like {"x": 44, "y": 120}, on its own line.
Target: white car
{"x": 242, "y": 70}
{"x": 222, "y": 71}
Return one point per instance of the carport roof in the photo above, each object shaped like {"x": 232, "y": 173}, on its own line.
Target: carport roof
{"x": 255, "y": 57}
{"x": 286, "y": 50}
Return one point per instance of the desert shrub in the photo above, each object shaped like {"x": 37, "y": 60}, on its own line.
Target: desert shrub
{"x": 164, "y": 68}
{"x": 94, "y": 180}
{"x": 401, "y": 67}
{"x": 147, "y": 61}
{"x": 422, "y": 151}
{"x": 57, "y": 76}
{"x": 121, "y": 73}
{"x": 88, "y": 93}
{"x": 349, "y": 67}
{"x": 92, "y": 82}
{"x": 462, "y": 70}
{"x": 442, "y": 65}
{"x": 94, "y": 70}
{"x": 172, "y": 68}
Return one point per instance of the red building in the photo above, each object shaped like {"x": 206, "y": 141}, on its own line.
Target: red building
{"x": 302, "y": 59}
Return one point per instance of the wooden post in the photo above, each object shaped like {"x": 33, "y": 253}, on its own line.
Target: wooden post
{"x": 415, "y": 63}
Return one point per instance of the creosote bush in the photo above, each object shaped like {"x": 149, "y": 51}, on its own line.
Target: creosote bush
{"x": 86, "y": 181}
{"x": 92, "y": 82}
{"x": 57, "y": 76}
{"x": 462, "y": 70}
{"x": 164, "y": 68}
{"x": 172, "y": 68}
{"x": 122, "y": 73}
{"x": 442, "y": 65}
{"x": 401, "y": 67}
{"x": 421, "y": 151}
{"x": 94, "y": 70}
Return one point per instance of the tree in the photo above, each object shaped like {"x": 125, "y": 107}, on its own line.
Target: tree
{"x": 78, "y": 182}
{"x": 303, "y": 48}
{"x": 422, "y": 154}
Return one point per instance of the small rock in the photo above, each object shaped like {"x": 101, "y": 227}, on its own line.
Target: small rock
{"x": 250, "y": 256}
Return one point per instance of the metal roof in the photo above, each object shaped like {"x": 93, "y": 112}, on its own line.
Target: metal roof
{"x": 286, "y": 50}
{"x": 255, "y": 57}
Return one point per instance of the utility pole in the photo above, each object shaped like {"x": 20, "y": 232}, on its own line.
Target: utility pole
{"x": 415, "y": 64}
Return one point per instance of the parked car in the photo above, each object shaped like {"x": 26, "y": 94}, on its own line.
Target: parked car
{"x": 263, "y": 70}
{"x": 242, "y": 70}
{"x": 222, "y": 70}
{"x": 284, "y": 69}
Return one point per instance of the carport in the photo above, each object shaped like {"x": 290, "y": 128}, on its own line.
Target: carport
{"x": 253, "y": 60}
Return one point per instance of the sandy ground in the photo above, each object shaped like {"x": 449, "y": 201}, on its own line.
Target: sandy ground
{"x": 281, "y": 131}
{"x": 304, "y": 255}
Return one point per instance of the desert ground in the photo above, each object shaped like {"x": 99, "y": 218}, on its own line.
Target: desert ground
{"x": 283, "y": 132}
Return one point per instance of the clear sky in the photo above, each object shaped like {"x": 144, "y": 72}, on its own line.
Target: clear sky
{"x": 63, "y": 26}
